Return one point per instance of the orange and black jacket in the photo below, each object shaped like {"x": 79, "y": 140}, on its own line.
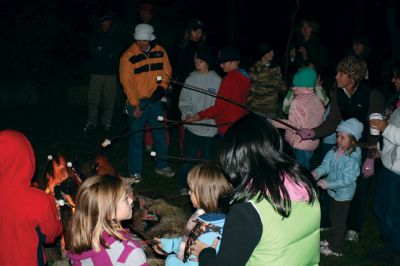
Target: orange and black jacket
{"x": 138, "y": 72}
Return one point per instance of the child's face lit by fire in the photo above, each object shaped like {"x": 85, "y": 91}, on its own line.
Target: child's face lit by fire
{"x": 124, "y": 207}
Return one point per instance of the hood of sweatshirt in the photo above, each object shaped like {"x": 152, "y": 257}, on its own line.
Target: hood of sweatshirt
{"x": 17, "y": 160}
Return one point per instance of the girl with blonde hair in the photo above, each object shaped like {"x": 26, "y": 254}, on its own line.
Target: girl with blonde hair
{"x": 208, "y": 190}
{"x": 96, "y": 236}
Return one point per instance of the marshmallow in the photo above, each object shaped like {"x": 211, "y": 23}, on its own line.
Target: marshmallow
{"x": 106, "y": 143}
{"x": 61, "y": 202}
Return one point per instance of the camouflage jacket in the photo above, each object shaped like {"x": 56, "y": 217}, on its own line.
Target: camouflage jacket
{"x": 263, "y": 95}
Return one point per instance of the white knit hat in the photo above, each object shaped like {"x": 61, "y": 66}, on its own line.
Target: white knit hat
{"x": 351, "y": 126}
{"x": 144, "y": 32}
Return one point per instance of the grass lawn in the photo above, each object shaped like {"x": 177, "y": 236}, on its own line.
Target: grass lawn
{"x": 58, "y": 128}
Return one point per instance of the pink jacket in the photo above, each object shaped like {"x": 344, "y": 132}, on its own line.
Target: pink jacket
{"x": 306, "y": 111}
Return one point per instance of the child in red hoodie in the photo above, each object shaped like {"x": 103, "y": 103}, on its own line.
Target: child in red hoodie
{"x": 29, "y": 215}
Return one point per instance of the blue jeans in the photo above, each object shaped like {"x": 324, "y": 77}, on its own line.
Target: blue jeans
{"x": 135, "y": 150}
{"x": 192, "y": 144}
{"x": 303, "y": 157}
{"x": 387, "y": 207}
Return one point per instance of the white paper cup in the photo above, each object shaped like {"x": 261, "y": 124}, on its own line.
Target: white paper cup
{"x": 374, "y": 131}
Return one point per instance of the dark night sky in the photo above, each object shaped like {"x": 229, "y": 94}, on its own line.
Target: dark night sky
{"x": 53, "y": 32}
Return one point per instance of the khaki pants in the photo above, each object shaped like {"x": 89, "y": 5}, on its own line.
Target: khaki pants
{"x": 101, "y": 87}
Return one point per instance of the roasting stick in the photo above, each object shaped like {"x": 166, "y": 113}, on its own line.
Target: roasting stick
{"x": 154, "y": 155}
{"x": 183, "y": 122}
{"x": 285, "y": 124}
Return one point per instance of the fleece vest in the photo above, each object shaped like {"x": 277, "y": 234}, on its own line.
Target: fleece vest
{"x": 289, "y": 241}
{"x": 356, "y": 106}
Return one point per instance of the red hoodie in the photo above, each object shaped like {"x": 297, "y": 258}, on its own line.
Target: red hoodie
{"x": 234, "y": 86}
{"x": 24, "y": 210}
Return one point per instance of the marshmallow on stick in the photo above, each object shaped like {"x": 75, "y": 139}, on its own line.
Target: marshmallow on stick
{"x": 106, "y": 143}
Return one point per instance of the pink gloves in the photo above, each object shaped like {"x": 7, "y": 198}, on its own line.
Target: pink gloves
{"x": 306, "y": 133}
{"x": 368, "y": 168}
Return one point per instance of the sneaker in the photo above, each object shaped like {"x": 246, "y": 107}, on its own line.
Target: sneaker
{"x": 88, "y": 126}
{"x": 323, "y": 243}
{"x": 134, "y": 179}
{"x": 184, "y": 192}
{"x": 328, "y": 252}
{"x": 167, "y": 172}
{"x": 352, "y": 236}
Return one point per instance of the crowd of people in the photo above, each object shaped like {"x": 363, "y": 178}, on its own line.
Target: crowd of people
{"x": 297, "y": 154}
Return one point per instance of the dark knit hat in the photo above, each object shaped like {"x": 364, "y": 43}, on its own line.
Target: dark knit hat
{"x": 103, "y": 18}
{"x": 205, "y": 55}
{"x": 229, "y": 53}
{"x": 146, "y": 5}
{"x": 354, "y": 67}
{"x": 264, "y": 48}
{"x": 361, "y": 39}
{"x": 196, "y": 24}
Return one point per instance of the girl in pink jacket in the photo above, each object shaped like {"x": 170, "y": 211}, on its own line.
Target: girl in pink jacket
{"x": 306, "y": 111}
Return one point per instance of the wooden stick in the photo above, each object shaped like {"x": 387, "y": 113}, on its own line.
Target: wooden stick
{"x": 285, "y": 124}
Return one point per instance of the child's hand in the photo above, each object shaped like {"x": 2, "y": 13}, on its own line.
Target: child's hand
{"x": 322, "y": 184}
{"x": 306, "y": 133}
{"x": 193, "y": 119}
{"x": 198, "y": 246}
{"x": 157, "y": 246}
{"x": 315, "y": 175}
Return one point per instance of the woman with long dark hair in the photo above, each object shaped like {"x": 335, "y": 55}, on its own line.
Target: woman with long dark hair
{"x": 274, "y": 216}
